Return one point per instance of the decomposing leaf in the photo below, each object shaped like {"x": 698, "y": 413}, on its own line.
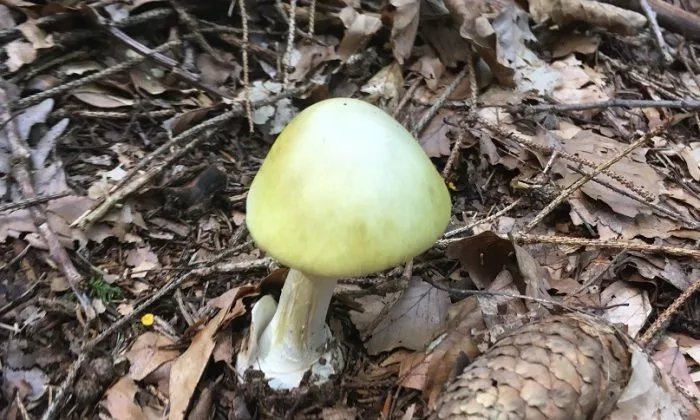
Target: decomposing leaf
{"x": 405, "y": 28}
{"x": 19, "y": 53}
{"x": 360, "y": 28}
{"x": 386, "y": 87}
{"x": 32, "y": 382}
{"x": 513, "y": 32}
{"x": 428, "y": 372}
{"x": 647, "y": 391}
{"x": 216, "y": 72}
{"x": 308, "y": 56}
{"x": 433, "y": 138}
{"x": 431, "y": 68}
{"x": 188, "y": 368}
{"x": 146, "y": 81}
{"x": 100, "y": 97}
{"x": 37, "y": 37}
{"x": 142, "y": 259}
{"x": 148, "y": 353}
{"x": 476, "y": 28}
{"x": 627, "y": 305}
{"x": 598, "y": 149}
{"x": 119, "y": 400}
{"x": 616, "y": 19}
{"x": 483, "y": 256}
{"x": 412, "y": 320}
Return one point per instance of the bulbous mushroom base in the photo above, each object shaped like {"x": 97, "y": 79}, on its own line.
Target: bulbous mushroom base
{"x": 283, "y": 365}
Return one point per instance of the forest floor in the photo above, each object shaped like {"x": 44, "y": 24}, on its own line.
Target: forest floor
{"x": 567, "y": 134}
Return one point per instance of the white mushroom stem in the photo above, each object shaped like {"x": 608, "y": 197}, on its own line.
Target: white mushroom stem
{"x": 297, "y": 338}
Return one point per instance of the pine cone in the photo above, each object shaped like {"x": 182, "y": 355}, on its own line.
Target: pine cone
{"x": 562, "y": 367}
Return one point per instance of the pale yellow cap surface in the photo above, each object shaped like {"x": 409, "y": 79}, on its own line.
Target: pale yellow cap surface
{"x": 346, "y": 191}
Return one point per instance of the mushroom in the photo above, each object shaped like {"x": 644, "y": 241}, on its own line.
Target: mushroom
{"x": 344, "y": 191}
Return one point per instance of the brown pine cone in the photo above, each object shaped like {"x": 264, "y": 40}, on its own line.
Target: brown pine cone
{"x": 562, "y": 367}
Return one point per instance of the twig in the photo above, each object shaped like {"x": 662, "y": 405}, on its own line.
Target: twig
{"x": 659, "y": 41}
{"x": 127, "y": 186}
{"x": 102, "y": 115}
{"x": 57, "y": 402}
{"x": 566, "y": 192}
{"x": 312, "y": 18}
{"x": 611, "y": 103}
{"x": 166, "y": 61}
{"x": 666, "y": 315}
{"x": 32, "y": 201}
{"x": 246, "y": 67}
{"x": 457, "y": 147}
{"x": 446, "y": 241}
{"x": 20, "y": 158}
{"x": 666, "y": 212}
{"x": 241, "y": 266}
{"x": 564, "y": 155}
{"x": 290, "y": 37}
{"x": 430, "y": 113}
{"x": 59, "y": 90}
{"x": 610, "y": 244}
{"x": 98, "y": 211}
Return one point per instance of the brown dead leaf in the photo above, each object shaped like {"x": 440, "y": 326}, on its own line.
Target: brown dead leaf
{"x": 475, "y": 27}
{"x": 100, "y": 97}
{"x": 433, "y": 138}
{"x": 148, "y": 353}
{"x": 189, "y": 367}
{"x": 143, "y": 260}
{"x": 626, "y": 304}
{"x": 449, "y": 45}
{"x": 412, "y": 320}
{"x": 308, "y": 56}
{"x": 146, "y": 81}
{"x": 575, "y": 43}
{"x": 576, "y": 83}
{"x": 405, "y": 28}
{"x": 19, "y": 53}
{"x": 484, "y": 256}
{"x": 431, "y": 69}
{"x": 360, "y": 28}
{"x": 216, "y": 72}
{"x": 429, "y": 372}
{"x": 119, "y": 400}
{"x": 598, "y": 149}
{"x": 37, "y": 37}
{"x": 386, "y": 87}
{"x": 616, "y": 19}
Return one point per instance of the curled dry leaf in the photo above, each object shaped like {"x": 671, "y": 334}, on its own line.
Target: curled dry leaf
{"x": 429, "y": 371}
{"x": 599, "y": 149}
{"x": 431, "y": 69}
{"x": 616, "y": 19}
{"x": 360, "y": 28}
{"x": 626, "y": 305}
{"x": 475, "y": 27}
{"x": 405, "y": 28}
{"x": 412, "y": 320}
{"x": 385, "y": 87}
{"x": 148, "y": 353}
{"x": 101, "y": 98}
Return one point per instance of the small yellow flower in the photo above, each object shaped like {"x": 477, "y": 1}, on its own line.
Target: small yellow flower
{"x": 148, "y": 319}
{"x": 451, "y": 186}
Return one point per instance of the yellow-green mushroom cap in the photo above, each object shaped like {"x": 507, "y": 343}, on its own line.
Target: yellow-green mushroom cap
{"x": 345, "y": 191}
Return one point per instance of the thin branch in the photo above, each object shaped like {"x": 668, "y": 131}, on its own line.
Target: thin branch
{"x": 527, "y": 238}
{"x": 439, "y": 102}
{"x": 611, "y": 103}
{"x": 20, "y": 160}
{"x": 597, "y": 170}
